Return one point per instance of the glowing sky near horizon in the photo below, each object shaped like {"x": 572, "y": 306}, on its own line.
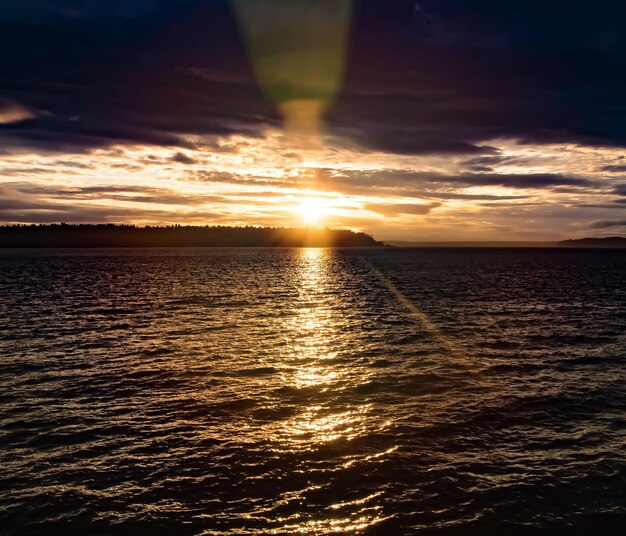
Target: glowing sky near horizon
{"x": 247, "y": 181}
{"x": 452, "y": 121}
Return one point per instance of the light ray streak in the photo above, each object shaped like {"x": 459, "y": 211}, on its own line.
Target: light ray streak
{"x": 451, "y": 347}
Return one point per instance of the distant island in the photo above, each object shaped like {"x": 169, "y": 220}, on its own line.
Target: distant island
{"x": 608, "y": 243}
{"x": 111, "y": 235}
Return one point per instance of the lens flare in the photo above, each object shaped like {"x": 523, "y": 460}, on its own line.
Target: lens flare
{"x": 298, "y": 48}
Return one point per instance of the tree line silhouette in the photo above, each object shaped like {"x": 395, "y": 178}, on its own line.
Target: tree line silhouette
{"x": 114, "y": 235}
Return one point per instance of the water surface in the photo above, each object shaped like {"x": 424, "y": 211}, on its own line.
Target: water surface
{"x": 313, "y": 391}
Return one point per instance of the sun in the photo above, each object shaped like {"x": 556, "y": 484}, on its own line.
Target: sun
{"x": 311, "y": 210}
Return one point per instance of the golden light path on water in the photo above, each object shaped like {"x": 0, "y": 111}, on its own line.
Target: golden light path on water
{"x": 325, "y": 433}
{"x": 311, "y": 361}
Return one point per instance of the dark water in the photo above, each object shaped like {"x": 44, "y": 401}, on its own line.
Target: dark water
{"x": 313, "y": 392}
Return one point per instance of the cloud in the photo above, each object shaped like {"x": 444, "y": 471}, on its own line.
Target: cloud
{"x": 391, "y": 178}
{"x": 106, "y": 81}
{"x": 95, "y": 214}
{"x": 619, "y": 204}
{"x": 531, "y": 180}
{"x": 620, "y": 189}
{"x": 614, "y": 168}
{"x": 465, "y": 197}
{"x": 22, "y": 203}
{"x": 411, "y": 185}
{"x": 481, "y": 71}
{"x": 408, "y": 141}
{"x": 17, "y": 195}
{"x": 12, "y": 112}
{"x": 12, "y": 205}
{"x": 608, "y": 224}
{"x": 395, "y": 209}
{"x": 471, "y": 74}
{"x": 182, "y": 158}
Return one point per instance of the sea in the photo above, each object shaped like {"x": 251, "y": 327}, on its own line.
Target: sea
{"x": 312, "y": 391}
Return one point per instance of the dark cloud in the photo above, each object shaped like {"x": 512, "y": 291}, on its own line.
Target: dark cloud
{"x": 408, "y": 141}
{"x": 182, "y": 158}
{"x": 398, "y": 178}
{"x": 608, "y": 224}
{"x": 537, "y": 72}
{"x": 511, "y": 207}
{"x": 616, "y": 204}
{"x": 8, "y": 204}
{"x": 620, "y": 189}
{"x": 395, "y": 209}
{"x": 522, "y": 181}
{"x": 486, "y": 164}
{"x": 108, "y": 73}
{"x": 446, "y": 78}
{"x": 615, "y": 168}
{"x": 466, "y": 197}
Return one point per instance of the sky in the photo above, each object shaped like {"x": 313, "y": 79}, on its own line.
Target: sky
{"x": 457, "y": 120}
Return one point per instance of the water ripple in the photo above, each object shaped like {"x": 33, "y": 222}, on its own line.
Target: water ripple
{"x": 312, "y": 391}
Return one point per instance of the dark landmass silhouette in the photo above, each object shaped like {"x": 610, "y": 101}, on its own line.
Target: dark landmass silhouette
{"x": 471, "y": 244}
{"x": 111, "y": 235}
{"x": 611, "y": 242}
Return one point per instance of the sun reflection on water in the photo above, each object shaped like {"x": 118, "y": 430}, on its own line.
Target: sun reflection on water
{"x": 313, "y": 327}
{"x": 328, "y": 419}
